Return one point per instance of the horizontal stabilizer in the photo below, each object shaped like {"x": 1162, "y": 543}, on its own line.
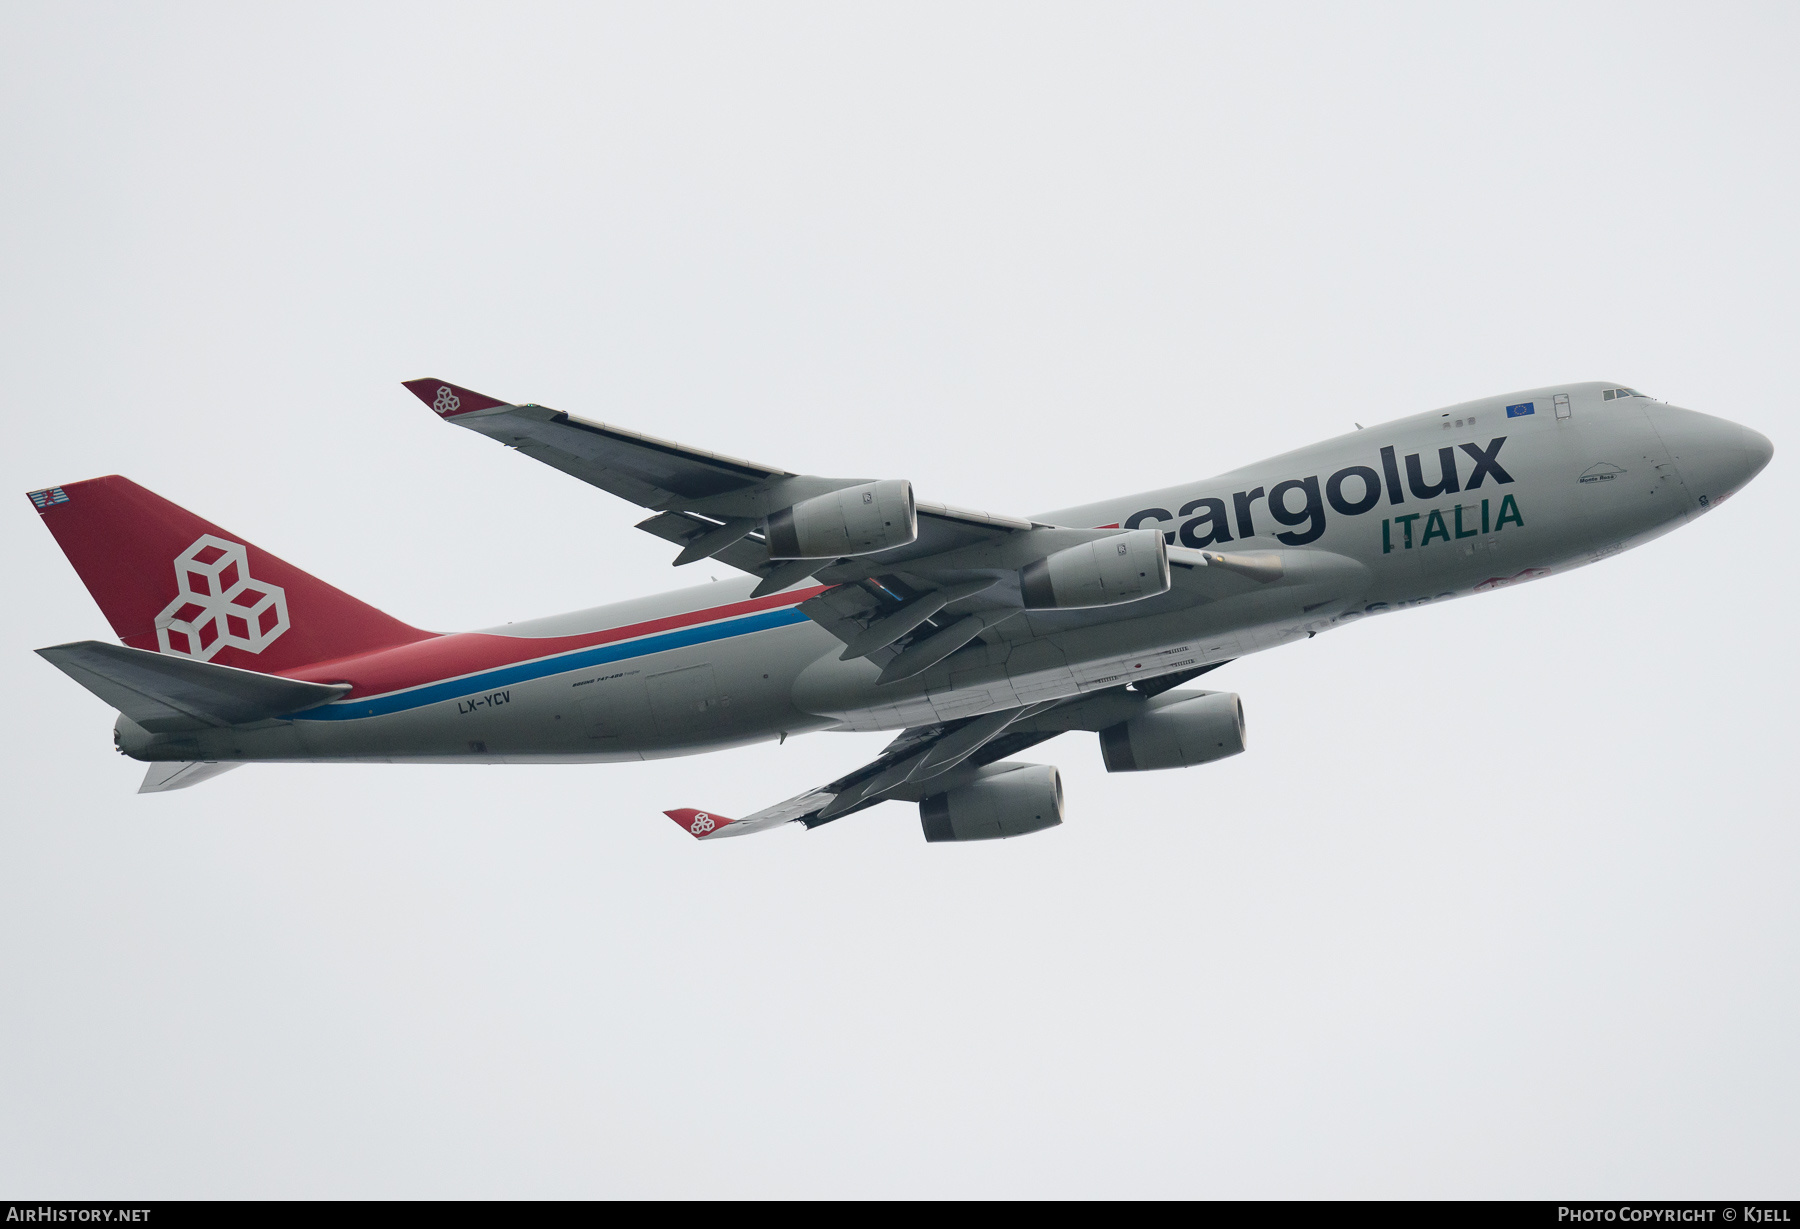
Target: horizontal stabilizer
{"x": 166, "y": 693}
{"x": 164, "y": 777}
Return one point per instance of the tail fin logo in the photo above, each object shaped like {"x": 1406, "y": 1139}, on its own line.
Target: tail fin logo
{"x": 217, "y": 603}
{"x": 447, "y": 402}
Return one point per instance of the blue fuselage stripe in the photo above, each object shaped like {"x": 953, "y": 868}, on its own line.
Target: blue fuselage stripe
{"x": 544, "y": 667}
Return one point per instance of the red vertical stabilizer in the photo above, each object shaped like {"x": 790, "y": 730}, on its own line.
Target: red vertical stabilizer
{"x": 170, "y": 582}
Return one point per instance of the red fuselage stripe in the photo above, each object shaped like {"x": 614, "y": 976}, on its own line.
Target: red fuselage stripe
{"x": 460, "y": 653}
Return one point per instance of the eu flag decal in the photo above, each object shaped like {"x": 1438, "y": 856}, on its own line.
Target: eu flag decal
{"x": 1519, "y": 411}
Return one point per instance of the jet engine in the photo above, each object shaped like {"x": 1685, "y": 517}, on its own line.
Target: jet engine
{"x": 858, "y": 520}
{"x": 1005, "y": 800}
{"x": 1122, "y": 567}
{"x": 1195, "y": 729}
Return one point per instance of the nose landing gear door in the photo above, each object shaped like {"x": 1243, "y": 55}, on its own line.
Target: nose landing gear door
{"x": 1562, "y": 405}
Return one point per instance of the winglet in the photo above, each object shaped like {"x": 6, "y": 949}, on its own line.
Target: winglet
{"x": 701, "y": 823}
{"x": 447, "y": 400}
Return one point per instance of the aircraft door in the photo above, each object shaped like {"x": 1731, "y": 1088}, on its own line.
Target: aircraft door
{"x": 615, "y": 713}
{"x": 1562, "y": 405}
{"x": 686, "y": 702}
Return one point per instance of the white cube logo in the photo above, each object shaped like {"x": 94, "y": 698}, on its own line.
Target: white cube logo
{"x": 218, "y": 604}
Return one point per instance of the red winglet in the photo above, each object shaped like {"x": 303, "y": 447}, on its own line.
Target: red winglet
{"x": 701, "y": 823}
{"x": 447, "y": 400}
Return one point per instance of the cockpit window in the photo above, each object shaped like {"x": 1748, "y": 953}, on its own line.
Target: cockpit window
{"x": 1611, "y": 393}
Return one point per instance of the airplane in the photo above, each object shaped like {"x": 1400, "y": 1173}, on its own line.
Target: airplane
{"x": 974, "y": 634}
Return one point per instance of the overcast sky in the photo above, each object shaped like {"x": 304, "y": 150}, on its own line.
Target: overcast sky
{"x": 1500, "y": 902}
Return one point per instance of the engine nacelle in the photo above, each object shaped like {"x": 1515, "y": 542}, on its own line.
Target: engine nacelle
{"x": 1184, "y": 731}
{"x": 1121, "y": 568}
{"x": 858, "y": 520}
{"x": 1006, "y": 800}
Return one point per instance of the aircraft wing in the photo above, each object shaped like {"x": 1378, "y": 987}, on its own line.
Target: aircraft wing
{"x": 904, "y": 602}
{"x": 713, "y": 506}
{"x": 649, "y": 472}
{"x": 926, "y": 760}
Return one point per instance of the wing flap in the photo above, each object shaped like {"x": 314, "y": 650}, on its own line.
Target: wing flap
{"x": 747, "y": 554}
{"x": 980, "y": 520}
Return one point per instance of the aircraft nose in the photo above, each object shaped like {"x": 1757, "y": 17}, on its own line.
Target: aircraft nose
{"x": 1760, "y": 451}
{"x": 1714, "y": 457}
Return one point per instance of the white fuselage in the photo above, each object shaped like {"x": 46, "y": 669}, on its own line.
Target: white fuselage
{"x": 1577, "y": 478}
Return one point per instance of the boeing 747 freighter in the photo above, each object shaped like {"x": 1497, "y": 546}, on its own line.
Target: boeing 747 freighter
{"x": 974, "y": 635}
